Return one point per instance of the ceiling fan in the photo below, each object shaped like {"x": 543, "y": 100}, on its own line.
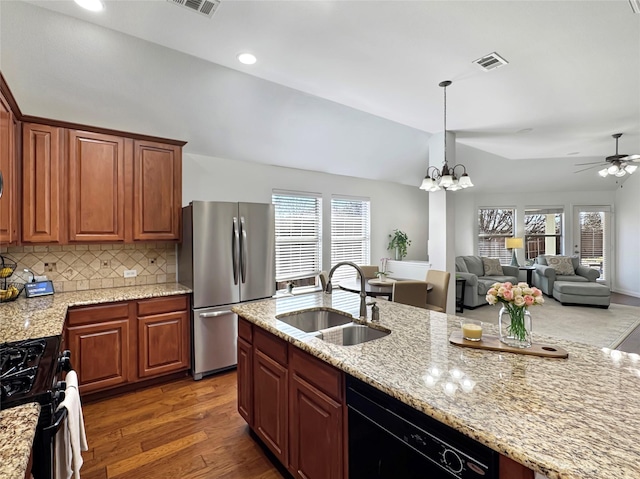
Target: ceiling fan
{"x": 616, "y": 165}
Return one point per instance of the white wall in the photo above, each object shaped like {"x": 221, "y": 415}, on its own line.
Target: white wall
{"x": 392, "y": 205}
{"x": 627, "y": 233}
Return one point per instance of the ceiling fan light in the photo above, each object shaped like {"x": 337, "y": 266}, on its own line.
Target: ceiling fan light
{"x": 631, "y": 168}
{"x": 620, "y": 173}
{"x": 455, "y": 186}
{"x": 613, "y": 169}
{"x": 603, "y": 172}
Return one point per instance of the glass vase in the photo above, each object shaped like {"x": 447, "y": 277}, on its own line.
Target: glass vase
{"x": 398, "y": 254}
{"x": 515, "y": 326}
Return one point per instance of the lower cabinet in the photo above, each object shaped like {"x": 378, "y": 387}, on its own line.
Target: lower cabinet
{"x": 294, "y": 403}
{"x": 125, "y": 342}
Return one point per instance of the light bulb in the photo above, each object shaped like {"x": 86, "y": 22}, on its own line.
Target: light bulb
{"x": 465, "y": 181}
{"x": 446, "y": 181}
{"x": 621, "y": 173}
{"x": 603, "y": 172}
{"x": 612, "y": 170}
{"x": 631, "y": 168}
{"x": 427, "y": 183}
{"x": 247, "y": 58}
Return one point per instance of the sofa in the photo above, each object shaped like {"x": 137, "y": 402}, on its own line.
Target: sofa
{"x": 472, "y": 270}
{"x": 569, "y": 282}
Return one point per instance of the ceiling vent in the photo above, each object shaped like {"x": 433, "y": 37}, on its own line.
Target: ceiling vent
{"x": 490, "y": 62}
{"x": 203, "y": 7}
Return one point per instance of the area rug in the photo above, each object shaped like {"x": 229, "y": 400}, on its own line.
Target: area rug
{"x": 596, "y": 326}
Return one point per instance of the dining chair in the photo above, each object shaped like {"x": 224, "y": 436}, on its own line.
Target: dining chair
{"x": 413, "y": 293}
{"x": 369, "y": 272}
{"x": 437, "y": 300}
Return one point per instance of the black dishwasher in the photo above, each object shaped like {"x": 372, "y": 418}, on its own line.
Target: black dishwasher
{"x": 390, "y": 440}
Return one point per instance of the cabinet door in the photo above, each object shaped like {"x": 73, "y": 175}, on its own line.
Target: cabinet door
{"x": 41, "y": 184}
{"x": 157, "y": 191}
{"x": 245, "y": 380}
{"x": 8, "y": 202}
{"x": 315, "y": 432}
{"x": 163, "y": 343}
{"x": 100, "y": 354}
{"x": 270, "y": 403}
{"x": 96, "y": 187}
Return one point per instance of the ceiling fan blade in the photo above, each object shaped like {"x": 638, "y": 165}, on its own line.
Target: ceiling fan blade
{"x": 632, "y": 158}
{"x": 592, "y": 163}
{"x": 588, "y": 168}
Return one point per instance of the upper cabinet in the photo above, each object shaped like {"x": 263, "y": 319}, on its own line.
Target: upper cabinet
{"x": 157, "y": 191}
{"x": 8, "y": 200}
{"x": 96, "y": 184}
{"x": 42, "y": 185}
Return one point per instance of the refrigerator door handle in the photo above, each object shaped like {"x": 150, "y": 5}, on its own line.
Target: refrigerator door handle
{"x": 236, "y": 250}
{"x": 243, "y": 258}
{"x": 215, "y": 314}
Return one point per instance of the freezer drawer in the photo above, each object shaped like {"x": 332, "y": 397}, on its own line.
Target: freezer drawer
{"x": 215, "y": 334}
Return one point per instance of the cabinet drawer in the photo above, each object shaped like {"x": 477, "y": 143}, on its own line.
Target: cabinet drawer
{"x": 245, "y": 330}
{"x": 317, "y": 373}
{"x": 98, "y": 314}
{"x": 148, "y": 307}
{"x": 271, "y": 346}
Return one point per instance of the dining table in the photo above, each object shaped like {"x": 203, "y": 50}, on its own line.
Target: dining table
{"x": 373, "y": 290}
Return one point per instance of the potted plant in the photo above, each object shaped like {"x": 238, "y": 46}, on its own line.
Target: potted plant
{"x": 399, "y": 242}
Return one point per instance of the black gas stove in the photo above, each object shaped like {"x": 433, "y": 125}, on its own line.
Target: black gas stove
{"x": 31, "y": 371}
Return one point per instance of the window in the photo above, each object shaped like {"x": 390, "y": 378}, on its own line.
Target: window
{"x": 350, "y": 234}
{"x": 494, "y": 225}
{"x": 543, "y": 232}
{"x": 298, "y": 237}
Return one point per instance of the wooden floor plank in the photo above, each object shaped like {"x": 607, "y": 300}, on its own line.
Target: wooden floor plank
{"x": 185, "y": 429}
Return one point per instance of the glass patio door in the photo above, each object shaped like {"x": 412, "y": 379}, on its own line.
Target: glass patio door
{"x": 592, "y": 238}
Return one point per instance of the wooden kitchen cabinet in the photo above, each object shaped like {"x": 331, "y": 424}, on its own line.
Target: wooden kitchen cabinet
{"x": 270, "y": 393}
{"x": 163, "y": 336}
{"x": 118, "y": 344}
{"x": 96, "y": 183}
{"x": 293, "y": 402}
{"x": 157, "y": 191}
{"x": 8, "y": 201}
{"x": 245, "y": 370}
{"x": 315, "y": 418}
{"x": 42, "y": 185}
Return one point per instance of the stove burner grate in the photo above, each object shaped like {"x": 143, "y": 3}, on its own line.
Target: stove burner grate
{"x": 18, "y": 365}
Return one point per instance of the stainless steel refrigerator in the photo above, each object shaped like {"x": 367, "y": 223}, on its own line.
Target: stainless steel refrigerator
{"x": 227, "y": 256}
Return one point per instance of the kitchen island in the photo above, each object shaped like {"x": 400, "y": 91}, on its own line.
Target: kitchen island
{"x": 574, "y": 418}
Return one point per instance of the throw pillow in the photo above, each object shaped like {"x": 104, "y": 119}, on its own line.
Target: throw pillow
{"x": 492, "y": 267}
{"x": 562, "y": 264}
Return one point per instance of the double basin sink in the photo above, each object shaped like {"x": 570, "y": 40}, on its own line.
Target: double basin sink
{"x": 343, "y": 330}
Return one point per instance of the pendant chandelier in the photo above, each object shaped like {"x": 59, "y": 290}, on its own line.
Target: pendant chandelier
{"x": 446, "y": 179}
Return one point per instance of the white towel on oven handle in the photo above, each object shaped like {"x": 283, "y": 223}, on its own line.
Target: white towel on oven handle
{"x": 71, "y": 439}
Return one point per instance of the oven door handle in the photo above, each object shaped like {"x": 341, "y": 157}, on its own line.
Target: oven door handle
{"x": 61, "y": 417}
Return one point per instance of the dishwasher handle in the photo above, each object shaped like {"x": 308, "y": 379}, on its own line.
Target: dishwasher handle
{"x": 215, "y": 314}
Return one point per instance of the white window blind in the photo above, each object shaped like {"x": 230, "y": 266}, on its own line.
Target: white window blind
{"x": 298, "y": 235}
{"x": 494, "y": 225}
{"x": 350, "y": 234}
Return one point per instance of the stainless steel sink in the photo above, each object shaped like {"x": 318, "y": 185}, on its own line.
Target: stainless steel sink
{"x": 315, "y": 320}
{"x": 357, "y": 333}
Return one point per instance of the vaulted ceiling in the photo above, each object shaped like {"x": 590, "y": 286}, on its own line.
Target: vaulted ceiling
{"x": 344, "y": 87}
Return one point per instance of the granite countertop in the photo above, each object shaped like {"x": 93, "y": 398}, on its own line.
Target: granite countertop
{"x": 17, "y": 430}
{"x": 27, "y": 318}
{"x": 574, "y": 418}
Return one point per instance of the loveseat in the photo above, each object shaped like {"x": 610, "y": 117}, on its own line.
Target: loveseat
{"x": 472, "y": 269}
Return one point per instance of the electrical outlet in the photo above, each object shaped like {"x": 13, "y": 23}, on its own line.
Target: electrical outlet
{"x": 106, "y": 264}
{"x": 50, "y": 267}
{"x": 40, "y": 278}
{"x": 130, "y": 273}
{"x": 152, "y": 261}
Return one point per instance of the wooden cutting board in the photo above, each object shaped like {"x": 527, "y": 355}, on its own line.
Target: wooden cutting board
{"x": 493, "y": 343}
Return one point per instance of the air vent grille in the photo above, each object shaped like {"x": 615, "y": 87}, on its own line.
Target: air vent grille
{"x": 490, "y": 62}
{"x": 203, "y": 7}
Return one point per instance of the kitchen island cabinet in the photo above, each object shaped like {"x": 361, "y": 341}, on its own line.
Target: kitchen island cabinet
{"x": 539, "y": 414}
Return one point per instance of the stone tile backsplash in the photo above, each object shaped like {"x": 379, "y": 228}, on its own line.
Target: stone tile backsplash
{"x": 95, "y": 266}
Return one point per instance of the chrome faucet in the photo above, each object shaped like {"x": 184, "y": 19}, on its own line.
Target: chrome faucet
{"x": 363, "y": 294}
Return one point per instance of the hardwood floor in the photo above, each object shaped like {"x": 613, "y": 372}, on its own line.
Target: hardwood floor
{"x": 183, "y": 430}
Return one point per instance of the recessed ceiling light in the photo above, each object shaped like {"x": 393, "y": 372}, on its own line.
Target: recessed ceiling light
{"x": 247, "y": 58}
{"x": 93, "y": 5}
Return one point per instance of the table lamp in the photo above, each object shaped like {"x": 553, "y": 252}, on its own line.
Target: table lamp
{"x": 513, "y": 244}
